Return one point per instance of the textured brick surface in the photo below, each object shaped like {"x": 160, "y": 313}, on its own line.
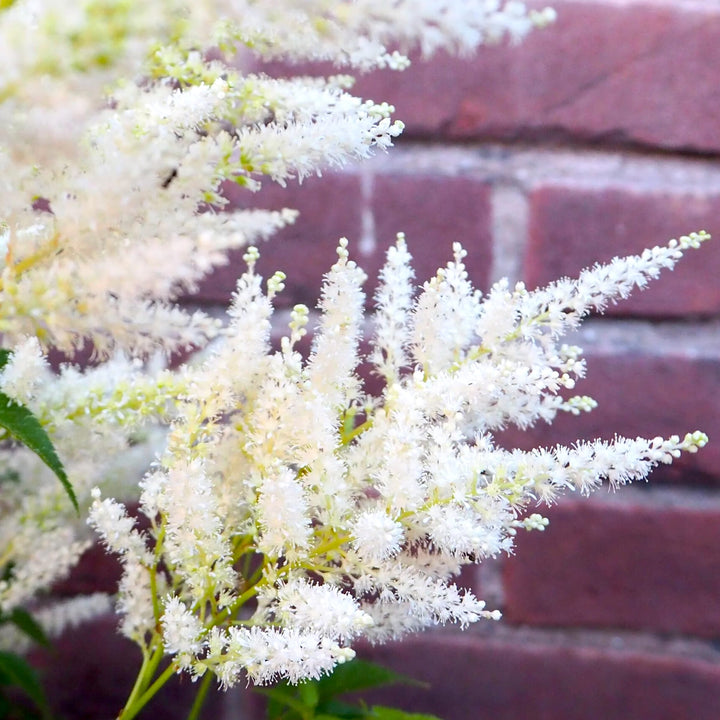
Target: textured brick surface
{"x": 97, "y": 571}
{"x": 620, "y": 566}
{"x": 507, "y": 679}
{"x": 88, "y": 676}
{"x": 643, "y": 395}
{"x": 630, "y": 72}
{"x": 330, "y": 208}
{"x": 572, "y": 228}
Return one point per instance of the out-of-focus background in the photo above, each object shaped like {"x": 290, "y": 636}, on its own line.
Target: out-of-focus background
{"x": 598, "y": 136}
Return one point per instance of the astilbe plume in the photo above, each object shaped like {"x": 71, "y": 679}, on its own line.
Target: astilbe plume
{"x": 117, "y": 133}
{"x": 289, "y": 512}
{"x": 292, "y": 513}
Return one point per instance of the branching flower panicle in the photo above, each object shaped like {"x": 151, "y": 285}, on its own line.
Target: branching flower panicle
{"x": 373, "y": 525}
{"x": 280, "y": 511}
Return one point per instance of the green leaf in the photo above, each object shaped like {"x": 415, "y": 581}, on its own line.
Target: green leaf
{"x": 26, "y": 428}
{"x": 309, "y": 695}
{"x": 316, "y": 699}
{"x": 380, "y": 712}
{"x": 359, "y": 675}
{"x": 282, "y": 697}
{"x": 24, "y": 621}
{"x": 16, "y": 672}
{"x": 342, "y": 711}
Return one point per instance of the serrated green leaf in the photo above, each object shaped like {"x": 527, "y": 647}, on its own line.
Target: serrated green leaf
{"x": 4, "y": 353}
{"x": 25, "y": 622}
{"x": 380, "y": 712}
{"x": 359, "y": 675}
{"x": 17, "y": 672}
{"x": 26, "y": 428}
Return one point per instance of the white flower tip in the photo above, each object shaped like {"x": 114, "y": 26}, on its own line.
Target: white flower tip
{"x": 345, "y": 655}
{"x": 543, "y": 18}
{"x": 692, "y": 442}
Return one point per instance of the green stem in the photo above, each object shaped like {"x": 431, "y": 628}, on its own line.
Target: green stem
{"x": 200, "y": 696}
{"x": 131, "y": 710}
{"x": 151, "y": 660}
{"x": 331, "y": 544}
{"x": 157, "y": 610}
{"x": 348, "y": 437}
{"x": 139, "y": 680}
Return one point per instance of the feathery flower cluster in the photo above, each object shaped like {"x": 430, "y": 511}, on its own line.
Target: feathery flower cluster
{"x": 117, "y": 132}
{"x": 288, "y": 511}
{"x": 292, "y": 513}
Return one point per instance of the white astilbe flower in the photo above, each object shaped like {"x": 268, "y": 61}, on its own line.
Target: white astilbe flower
{"x": 286, "y": 512}
{"x": 40, "y": 559}
{"x": 393, "y": 299}
{"x": 182, "y": 632}
{"x": 421, "y": 599}
{"x": 246, "y": 341}
{"x": 358, "y": 33}
{"x": 135, "y": 600}
{"x": 376, "y": 536}
{"x": 456, "y": 531}
{"x": 282, "y": 515}
{"x": 332, "y": 364}
{"x": 445, "y": 316}
{"x": 56, "y": 619}
{"x": 117, "y": 405}
{"x": 25, "y": 371}
{"x": 116, "y": 398}
{"x": 322, "y": 608}
{"x": 118, "y": 132}
{"x": 194, "y": 544}
{"x": 269, "y": 654}
{"x": 545, "y": 314}
{"x": 340, "y": 516}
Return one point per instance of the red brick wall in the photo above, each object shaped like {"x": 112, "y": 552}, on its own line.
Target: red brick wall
{"x": 598, "y": 136}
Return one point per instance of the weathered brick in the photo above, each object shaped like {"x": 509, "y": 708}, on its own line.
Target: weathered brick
{"x": 638, "y": 72}
{"x": 509, "y": 678}
{"x": 434, "y": 211}
{"x": 97, "y": 571}
{"x": 643, "y": 395}
{"x": 617, "y": 565}
{"x": 330, "y": 208}
{"x": 571, "y": 228}
{"x": 89, "y": 672}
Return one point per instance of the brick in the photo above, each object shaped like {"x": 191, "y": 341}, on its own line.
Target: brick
{"x": 618, "y": 73}
{"x": 330, "y": 208}
{"x": 97, "y": 571}
{"x": 641, "y": 394}
{"x": 571, "y": 228}
{"x": 617, "y": 565}
{"x": 508, "y": 678}
{"x": 434, "y": 211}
{"x": 89, "y": 672}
